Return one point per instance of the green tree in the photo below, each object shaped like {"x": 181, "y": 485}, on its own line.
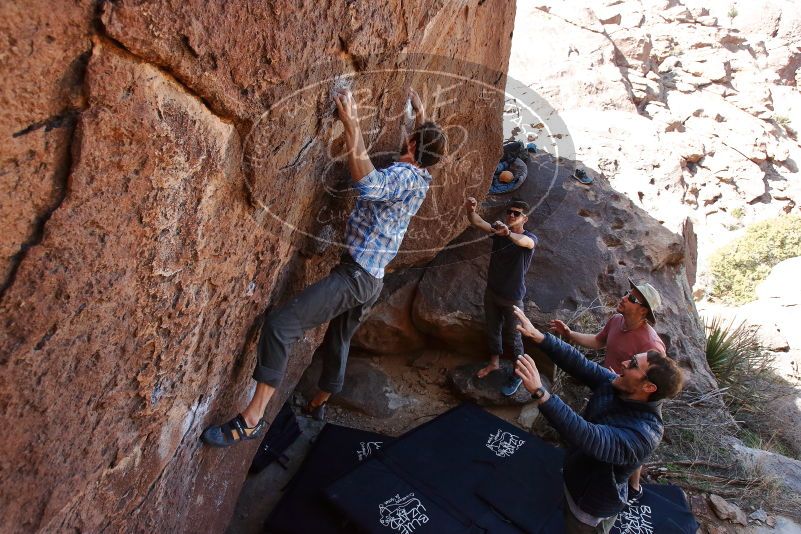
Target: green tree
{"x": 740, "y": 266}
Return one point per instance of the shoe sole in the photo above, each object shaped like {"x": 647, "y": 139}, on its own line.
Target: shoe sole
{"x": 515, "y": 390}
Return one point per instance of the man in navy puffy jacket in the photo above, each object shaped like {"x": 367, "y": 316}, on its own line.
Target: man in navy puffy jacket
{"x": 620, "y": 427}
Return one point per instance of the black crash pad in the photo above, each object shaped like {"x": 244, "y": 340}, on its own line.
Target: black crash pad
{"x": 302, "y": 508}
{"x": 428, "y": 480}
{"x": 662, "y": 509}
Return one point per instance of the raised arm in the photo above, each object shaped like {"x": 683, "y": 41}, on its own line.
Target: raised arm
{"x": 521, "y": 240}
{"x": 613, "y": 444}
{"x": 565, "y": 356}
{"x": 359, "y": 162}
{"x": 475, "y": 219}
{"x": 589, "y": 341}
{"x": 500, "y": 229}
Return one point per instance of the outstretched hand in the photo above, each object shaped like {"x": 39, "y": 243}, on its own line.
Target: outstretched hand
{"x": 527, "y": 370}
{"x": 560, "y": 328}
{"x": 525, "y": 327}
{"x": 346, "y": 107}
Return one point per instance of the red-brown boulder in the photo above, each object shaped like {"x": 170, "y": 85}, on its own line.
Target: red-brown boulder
{"x": 43, "y": 56}
{"x": 192, "y": 202}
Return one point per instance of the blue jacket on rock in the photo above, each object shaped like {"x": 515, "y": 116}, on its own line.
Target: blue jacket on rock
{"x": 608, "y": 441}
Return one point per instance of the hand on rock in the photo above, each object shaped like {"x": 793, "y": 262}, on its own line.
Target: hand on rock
{"x": 470, "y": 203}
{"x": 346, "y": 107}
{"x": 417, "y": 104}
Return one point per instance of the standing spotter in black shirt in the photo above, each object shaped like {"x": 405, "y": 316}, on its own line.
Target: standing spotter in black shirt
{"x": 512, "y": 250}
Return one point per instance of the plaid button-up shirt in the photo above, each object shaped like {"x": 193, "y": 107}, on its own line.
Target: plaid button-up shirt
{"x": 388, "y": 198}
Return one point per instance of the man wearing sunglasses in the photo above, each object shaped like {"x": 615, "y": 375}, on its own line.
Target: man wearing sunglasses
{"x": 626, "y": 333}
{"x": 617, "y": 431}
{"x": 512, "y": 250}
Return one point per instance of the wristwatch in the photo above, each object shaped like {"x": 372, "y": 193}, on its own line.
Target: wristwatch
{"x": 538, "y": 393}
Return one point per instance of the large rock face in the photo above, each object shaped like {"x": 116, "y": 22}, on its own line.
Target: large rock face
{"x": 390, "y": 329}
{"x": 145, "y": 242}
{"x": 43, "y": 56}
{"x": 289, "y": 142}
{"x": 130, "y": 294}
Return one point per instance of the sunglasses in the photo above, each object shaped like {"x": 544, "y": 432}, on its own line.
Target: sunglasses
{"x": 514, "y": 213}
{"x": 633, "y": 299}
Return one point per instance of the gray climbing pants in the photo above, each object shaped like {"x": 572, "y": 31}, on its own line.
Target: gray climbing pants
{"x": 344, "y": 298}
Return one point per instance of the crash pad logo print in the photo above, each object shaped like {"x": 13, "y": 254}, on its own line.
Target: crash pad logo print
{"x": 504, "y": 443}
{"x": 403, "y": 514}
{"x": 366, "y": 448}
{"x": 634, "y": 520}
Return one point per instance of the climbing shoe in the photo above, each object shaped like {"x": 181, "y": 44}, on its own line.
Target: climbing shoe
{"x": 317, "y": 412}
{"x": 233, "y": 431}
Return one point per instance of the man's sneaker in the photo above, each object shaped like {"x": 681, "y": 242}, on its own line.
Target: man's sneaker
{"x": 582, "y": 177}
{"x": 512, "y": 386}
{"x": 635, "y": 495}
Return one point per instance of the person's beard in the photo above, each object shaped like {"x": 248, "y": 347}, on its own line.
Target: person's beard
{"x": 619, "y": 387}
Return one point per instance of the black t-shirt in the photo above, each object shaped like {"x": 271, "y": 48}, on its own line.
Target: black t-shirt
{"x": 508, "y": 267}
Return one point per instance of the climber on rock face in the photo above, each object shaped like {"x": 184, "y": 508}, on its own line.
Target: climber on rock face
{"x": 387, "y": 200}
{"x": 512, "y": 250}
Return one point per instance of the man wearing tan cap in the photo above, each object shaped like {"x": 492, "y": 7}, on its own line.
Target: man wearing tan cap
{"x": 625, "y": 334}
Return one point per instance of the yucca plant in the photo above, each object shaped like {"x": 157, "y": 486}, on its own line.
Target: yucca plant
{"x": 732, "y": 350}
{"x": 748, "y": 382}
{"x": 741, "y": 364}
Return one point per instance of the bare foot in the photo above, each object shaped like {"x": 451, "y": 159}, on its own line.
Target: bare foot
{"x": 312, "y": 405}
{"x": 319, "y": 399}
{"x": 487, "y": 370}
